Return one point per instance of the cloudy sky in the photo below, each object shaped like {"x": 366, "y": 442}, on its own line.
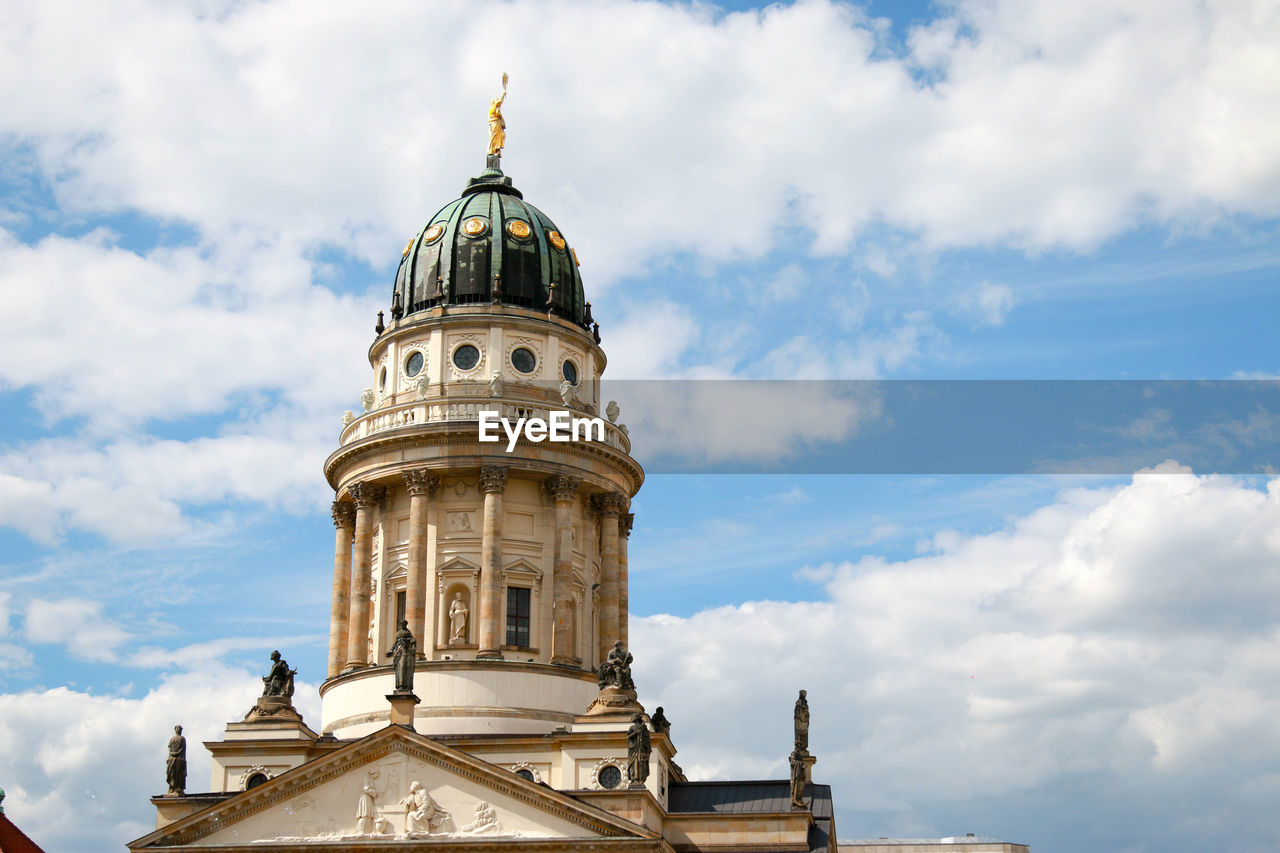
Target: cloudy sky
{"x": 203, "y": 205}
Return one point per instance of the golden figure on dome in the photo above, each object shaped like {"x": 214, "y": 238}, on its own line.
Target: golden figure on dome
{"x": 497, "y": 125}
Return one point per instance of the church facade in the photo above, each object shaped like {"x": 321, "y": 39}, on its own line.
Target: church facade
{"x": 478, "y": 692}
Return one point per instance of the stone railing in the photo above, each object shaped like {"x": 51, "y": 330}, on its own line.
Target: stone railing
{"x": 464, "y": 410}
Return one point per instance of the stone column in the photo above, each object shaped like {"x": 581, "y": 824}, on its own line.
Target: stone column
{"x": 624, "y": 537}
{"x": 564, "y": 633}
{"x": 344, "y": 519}
{"x": 367, "y": 496}
{"x": 609, "y": 506}
{"x": 421, "y": 484}
{"x": 493, "y": 481}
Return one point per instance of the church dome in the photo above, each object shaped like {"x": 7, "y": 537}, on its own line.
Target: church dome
{"x": 490, "y": 247}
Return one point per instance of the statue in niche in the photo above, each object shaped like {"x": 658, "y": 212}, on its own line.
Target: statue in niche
{"x": 660, "y": 721}
{"x": 638, "y": 751}
{"x": 423, "y": 814}
{"x": 366, "y": 399}
{"x": 797, "y": 780}
{"x": 616, "y": 669}
{"x": 365, "y": 813}
{"x": 802, "y": 724}
{"x": 457, "y": 619}
{"x": 495, "y": 384}
{"x": 175, "y": 769}
{"x": 279, "y": 681}
{"x": 612, "y": 411}
{"x": 403, "y": 655}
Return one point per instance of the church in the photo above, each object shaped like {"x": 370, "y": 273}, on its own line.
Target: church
{"x": 479, "y": 691}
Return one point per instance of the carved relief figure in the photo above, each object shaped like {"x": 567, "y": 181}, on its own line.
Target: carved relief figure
{"x": 495, "y": 385}
{"x": 638, "y": 749}
{"x": 422, "y": 814}
{"x": 175, "y": 770}
{"x": 457, "y": 619}
{"x": 364, "y": 807}
{"x": 802, "y": 724}
{"x": 279, "y": 681}
{"x": 403, "y": 654}
{"x": 485, "y": 822}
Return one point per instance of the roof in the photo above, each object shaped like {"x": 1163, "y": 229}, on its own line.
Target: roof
{"x": 753, "y": 798}
{"x": 14, "y": 840}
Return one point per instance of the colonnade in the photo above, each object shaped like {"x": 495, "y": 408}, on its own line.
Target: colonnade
{"x": 350, "y": 616}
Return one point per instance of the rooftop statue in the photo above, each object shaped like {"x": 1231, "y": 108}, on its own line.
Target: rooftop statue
{"x": 279, "y": 681}
{"x": 497, "y": 125}
{"x": 616, "y": 670}
{"x": 175, "y": 770}
{"x": 802, "y": 724}
{"x": 639, "y": 748}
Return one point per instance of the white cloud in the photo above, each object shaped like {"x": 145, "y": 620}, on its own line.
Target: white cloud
{"x": 100, "y": 757}
{"x": 1127, "y": 636}
{"x": 76, "y": 623}
{"x": 987, "y": 304}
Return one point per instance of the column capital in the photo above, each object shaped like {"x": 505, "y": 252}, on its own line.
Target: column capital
{"x": 609, "y": 503}
{"x": 367, "y": 494}
{"x": 625, "y": 522}
{"x": 344, "y": 513}
{"x": 561, "y": 487}
{"x": 493, "y": 478}
{"x": 421, "y": 482}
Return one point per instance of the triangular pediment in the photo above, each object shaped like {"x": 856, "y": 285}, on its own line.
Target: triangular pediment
{"x": 365, "y": 792}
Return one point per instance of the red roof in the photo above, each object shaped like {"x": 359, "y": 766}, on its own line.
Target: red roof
{"x": 14, "y": 840}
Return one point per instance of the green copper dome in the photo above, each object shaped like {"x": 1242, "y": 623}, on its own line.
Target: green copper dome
{"x": 490, "y": 247}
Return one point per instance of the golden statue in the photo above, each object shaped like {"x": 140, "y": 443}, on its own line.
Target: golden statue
{"x": 497, "y": 126}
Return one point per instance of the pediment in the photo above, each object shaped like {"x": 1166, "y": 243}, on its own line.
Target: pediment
{"x": 365, "y": 793}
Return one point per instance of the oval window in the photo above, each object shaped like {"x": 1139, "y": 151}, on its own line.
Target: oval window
{"x": 382, "y": 380}
{"x": 413, "y": 365}
{"x": 524, "y": 360}
{"x": 569, "y": 372}
{"x": 466, "y": 357}
{"x": 525, "y": 773}
{"x": 260, "y": 778}
{"x": 609, "y": 776}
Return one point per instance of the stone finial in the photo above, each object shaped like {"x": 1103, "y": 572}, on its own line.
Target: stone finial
{"x": 495, "y": 384}
{"x": 367, "y": 399}
{"x": 612, "y": 411}
{"x": 380, "y": 327}
{"x": 175, "y": 768}
{"x": 568, "y": 393}
{"x": 493, "y": 478}
{"x": 639, "y": 747}
{"x": 561, "y": 487}
{"x": 421, "y": 482}
{"x": 344, "y": 514}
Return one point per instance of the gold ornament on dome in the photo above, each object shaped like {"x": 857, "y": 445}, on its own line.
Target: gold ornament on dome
{"x": 556, "y": 240}
{"x": 473, "y": 227}
{"x": 433, "y": 233}
{"x": 519, "y": 229}
{"x": 497, "y": 124}
{"x": 407, "y": 247}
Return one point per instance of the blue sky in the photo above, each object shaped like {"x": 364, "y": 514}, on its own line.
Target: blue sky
{"x": 201, "y": 209}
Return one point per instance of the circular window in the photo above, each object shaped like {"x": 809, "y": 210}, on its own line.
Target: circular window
{"x": 524, "y": 360}
{"x": 569, "y": 372}
{"x": 474, "y": 227}
{"x": 609, "y": 776}
{"x": 433, "y": 233}
{"x": 413, "y": 365}
{"x": 258, "y": 778}
{"x": 519, "y": 229}
{"x": 382, "y": 380}
{"x": 466, "y": 357}
{"x": 525, "y": 773}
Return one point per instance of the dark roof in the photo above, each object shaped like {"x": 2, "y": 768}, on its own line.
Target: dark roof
{"x": 755, "y": 797}
{"x": 14, "y": 840}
